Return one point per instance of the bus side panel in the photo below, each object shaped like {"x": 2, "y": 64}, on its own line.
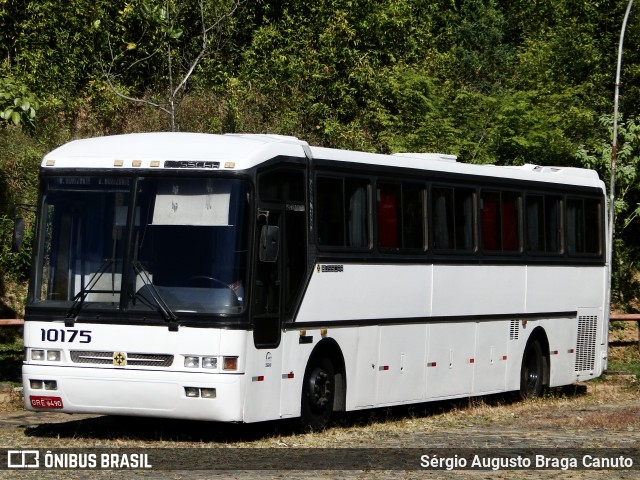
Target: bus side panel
{"x": 562, "y": 334}
{"x": 563, "y": 288}
{"x": 463, "y": 290}
{"x": 491, "y": 357}
{"x": 363, "y": 384}
{"x": 450, "y": 359}
{"x": 359, "y": 292}
{"x": 295, "y": 355}
{"x": 263, "y": 383}
{"x": 401, "y": 363}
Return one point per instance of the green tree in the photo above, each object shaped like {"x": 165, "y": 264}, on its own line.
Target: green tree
{"x": 627, "y": 201}
{"x": 165, "y": 42}
{"x": 335, "y": 67}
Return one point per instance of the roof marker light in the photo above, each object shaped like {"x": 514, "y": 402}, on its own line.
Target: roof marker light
{"x": 118, "y": 163}
{"x": 136, "y": 163}
{"x": 155, "y": 163}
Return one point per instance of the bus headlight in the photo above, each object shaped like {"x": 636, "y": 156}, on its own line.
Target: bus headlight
{"x": 210, "y": 362}
{"x": 53, "y": 355}
{"x": 37, "y": 354}
{"x": 192, "y": 362}
{"x": 49, "y": 355}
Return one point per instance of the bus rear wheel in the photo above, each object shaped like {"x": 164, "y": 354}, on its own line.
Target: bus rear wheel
{"x": 532, "y": 371}
{"x": 318, "y": 391}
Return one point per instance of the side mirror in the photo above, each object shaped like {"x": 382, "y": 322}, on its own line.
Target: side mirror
{"x": 18, "y": 234}
{"x": 269, "y": 243}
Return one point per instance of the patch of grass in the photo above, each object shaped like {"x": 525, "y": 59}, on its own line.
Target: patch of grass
{"x": 631, "y": 366}
{"x": 623, "y": 348}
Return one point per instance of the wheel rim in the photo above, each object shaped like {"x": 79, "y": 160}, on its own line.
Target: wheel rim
{"x": 320, "y": 390}
{"x": 532, "y": 374}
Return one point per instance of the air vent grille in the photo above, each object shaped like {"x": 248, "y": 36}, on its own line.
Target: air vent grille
{"x": 586, "y": 346}
{"x": 514, "y": 330}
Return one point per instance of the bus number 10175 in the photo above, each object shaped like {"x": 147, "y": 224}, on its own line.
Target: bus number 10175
{"x": 68, "y": 336}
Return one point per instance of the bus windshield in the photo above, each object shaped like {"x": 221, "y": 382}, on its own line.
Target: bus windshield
{"x": 175, "y": 246}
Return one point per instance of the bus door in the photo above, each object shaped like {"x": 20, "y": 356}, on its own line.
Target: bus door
{"x": 268, "y": 280}
{"x": 281, "y": 260}
{"x": 280, "y": 265}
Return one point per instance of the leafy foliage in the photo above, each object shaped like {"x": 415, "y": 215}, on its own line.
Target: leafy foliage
{"x": 18, "y": 106}
{"x": 627, "y": 203}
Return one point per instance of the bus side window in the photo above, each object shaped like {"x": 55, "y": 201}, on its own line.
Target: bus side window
{"x": 490, "y": 216}
{"x": 511, "y": 222}
{"x": 454, "y": 222}
{"x": 414, "y": 218}
{"x": 500, "y": 220}
{"x": 544, "y": 233}
{"x": 535, "y": 223}
{"x": 388, "y": 215}
{"x": 592, "y": 228}
{"x": 343, "y": 212}
{"x": 443, "y": 218}
{"x": 583, "y": 220}
{"x": 553, "y": 231}
{"x": 401, "y": 216}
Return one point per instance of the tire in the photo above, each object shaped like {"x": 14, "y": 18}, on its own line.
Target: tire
{"x": 532, "y": 371}
{"x": 318, "y": 392}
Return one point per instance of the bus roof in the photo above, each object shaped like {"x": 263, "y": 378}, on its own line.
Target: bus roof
{"x": 167, "y": 150}
{"x": 152, "y": 150}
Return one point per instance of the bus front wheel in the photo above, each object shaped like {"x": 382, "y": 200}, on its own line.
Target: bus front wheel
{"x": 318, "y": 390}
{"x": 532, "y": 371}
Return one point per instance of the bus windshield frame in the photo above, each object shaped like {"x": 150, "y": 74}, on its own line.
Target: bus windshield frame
{"x": 143, "y": 248}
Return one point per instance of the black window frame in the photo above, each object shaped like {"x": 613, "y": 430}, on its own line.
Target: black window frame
{"x": 345, "y": 179}
{"x": 599, "y": 219}
{"x": 455, "y": 233}
{"x": 520, "y": 234}
{"x": 546, "y": 251}
{"x": 402, "y": 232}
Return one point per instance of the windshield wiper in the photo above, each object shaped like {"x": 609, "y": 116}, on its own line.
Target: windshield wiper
{"x": 78, "y": 300}
{"x": 163, "y": 308}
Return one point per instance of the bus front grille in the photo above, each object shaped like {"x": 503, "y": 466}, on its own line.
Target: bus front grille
{"x": 132, "y": 359}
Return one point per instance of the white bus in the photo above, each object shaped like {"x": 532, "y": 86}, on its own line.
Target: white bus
{"x": 245, "y": 278}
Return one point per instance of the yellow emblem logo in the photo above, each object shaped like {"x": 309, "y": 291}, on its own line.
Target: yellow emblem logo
{"x": 119, "y": 359}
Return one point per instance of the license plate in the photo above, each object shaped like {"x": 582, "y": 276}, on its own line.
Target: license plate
{"x": 45, "y": 402}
